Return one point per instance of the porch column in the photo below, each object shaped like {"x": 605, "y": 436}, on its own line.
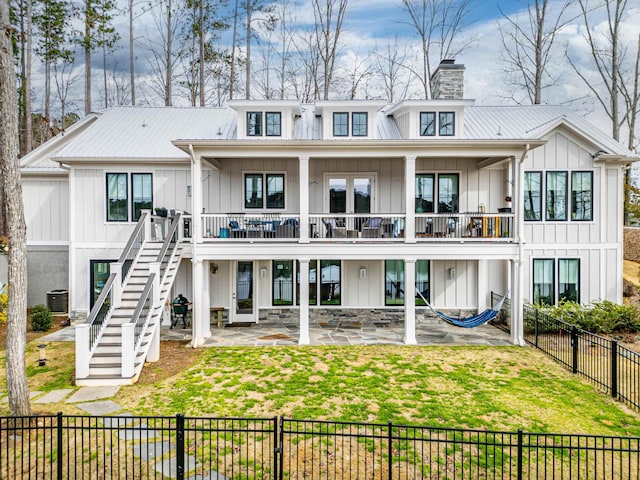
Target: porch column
{"x": 517, "y": 327}
{"x": 410, "y": 199}
{"x": 154, "y": 349}
{"x": 206, "y": 300}
{"x": 196, "y": 198}
{"x": 304, "y": 302}
{"x": 197, "y": 314}
{"x": 483, "y": 283}
{"x": 409, "y": 301}
{"x": 303, "y": 167}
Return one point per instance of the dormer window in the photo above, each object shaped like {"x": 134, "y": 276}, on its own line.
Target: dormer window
{"x": 254, "y": 124}
{"x": 359, "y": 124}
{"x": 427, "y": 124}
{"x": 274, "y": 124}
{"x": 446, "y": 124}
{"x": 340, "y": 124}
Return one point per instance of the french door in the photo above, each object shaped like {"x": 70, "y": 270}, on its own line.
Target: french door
{"x": 243, "y": 300}
{"x": 350, "y": 194}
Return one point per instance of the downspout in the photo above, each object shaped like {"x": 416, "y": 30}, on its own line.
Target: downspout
{"x": 520, "y": 239}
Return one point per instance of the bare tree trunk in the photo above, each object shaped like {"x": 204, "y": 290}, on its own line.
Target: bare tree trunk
{"x": 17, "y": 385}
{"x": 201, "y": 52}
{"x": 131, "y": 57}
{"x": 169, "y": 78}
{"x": 247, "y": 93}
{"x": 328, "y": 26}
{"x": 87, "y": 57}
{"x": 26, "y": 39}
{"x": 232, "y": 73}
{"x": 104, "y": 75}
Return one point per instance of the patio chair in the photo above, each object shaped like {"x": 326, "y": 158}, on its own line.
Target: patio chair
{"x": 290, "y": 228}
{"x": 373, "y": 228}
{"x": 333, "y": 230}
{"x": 236, "y": 231}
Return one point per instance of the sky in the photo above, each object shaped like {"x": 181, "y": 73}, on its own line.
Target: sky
{"x": 370, "y": 22}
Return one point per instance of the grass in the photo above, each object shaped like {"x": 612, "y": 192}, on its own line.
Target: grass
{"x": 501, "y": 388}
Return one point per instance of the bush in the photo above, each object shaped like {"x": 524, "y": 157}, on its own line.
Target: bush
{"x": 598, "y": 317}
{"x": 4, "y": 304}
{"x": 41, "y": 318}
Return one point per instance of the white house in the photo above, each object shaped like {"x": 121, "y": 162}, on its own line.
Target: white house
{"x": 364, "y": 199}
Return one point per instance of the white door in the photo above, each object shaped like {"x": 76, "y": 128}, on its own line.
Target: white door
{"x": 243, "y": 299}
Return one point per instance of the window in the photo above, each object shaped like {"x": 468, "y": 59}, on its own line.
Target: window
{"x": 427, "y": 124}
{"x": 117, "y": 197}
{"x": 394, "y": 282}
{"x": 340, "y": 124}
{"x": 424, "y": 192}
{"x": 254, "y": 124}
{"x": 582, "y": 196}
{"x": 568, "y": 279}
{"x": 142, "y": 193}
{"x": 556, "y": 199}
{"x": 359, "y": 124}
{"x": 254, "y": 190}
{"x": 532, "y": 195}
{"x": 282, "y": 282}
{"x": 448, "y": 193}
{"x": 543, "y": 281}
{"x": 274, "y": 124}
{"x": 330, "y": 282}
{"x": 446, "y": 124}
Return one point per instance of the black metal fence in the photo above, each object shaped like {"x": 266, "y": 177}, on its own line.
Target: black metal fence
{"x": 77, "y": 447}
{"x": 612, "y": 367}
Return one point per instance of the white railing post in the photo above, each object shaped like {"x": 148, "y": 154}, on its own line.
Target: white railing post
{"x": 116, "y": 287}
{"x": 304, "y": 198}
{"x": 83, "y": 354}
{"x": 154, "y": 267}
{"x": 128, "y": 350}
{"x": 153, "y": 355}
{"x": 147, "y": 225}
{"x": 410, "y": 199}
{"x": 180, "y": 227}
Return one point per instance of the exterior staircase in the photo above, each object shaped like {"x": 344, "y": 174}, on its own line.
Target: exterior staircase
{"x": 123, "y": 330}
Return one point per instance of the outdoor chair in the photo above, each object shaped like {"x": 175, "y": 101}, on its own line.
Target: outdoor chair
{"x": 373, "y": 228}
{"x": 290, "y": 228}
{"x": 333, "y": 230}
{"x": 236, "y": 231}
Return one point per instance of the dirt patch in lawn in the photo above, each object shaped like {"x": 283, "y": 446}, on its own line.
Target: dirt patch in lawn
{"x": 175, "y": 357}
{"x": 31, "y": 335}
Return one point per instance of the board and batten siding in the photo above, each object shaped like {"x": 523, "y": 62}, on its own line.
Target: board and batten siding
{"x": 46, "y": 209}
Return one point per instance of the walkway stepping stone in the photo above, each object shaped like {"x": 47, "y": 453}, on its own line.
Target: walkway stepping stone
{"x": 169, "y": 468}
{"x": 96, "y": 409}
{"x": 142, "y": 432}
{"x": 120, "y": 420}
{"x": 208, "y": 476}
{"x": 147, "y": 451}
{"x": 54, "y": 396}
{"x": 88, "y": 394}
{"x": 35, "y": 393}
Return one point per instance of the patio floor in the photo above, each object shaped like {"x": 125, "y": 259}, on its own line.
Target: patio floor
{"x": 354, "y": 333}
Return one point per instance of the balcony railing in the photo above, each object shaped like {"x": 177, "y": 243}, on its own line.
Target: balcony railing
{"x": 371, "y": 227}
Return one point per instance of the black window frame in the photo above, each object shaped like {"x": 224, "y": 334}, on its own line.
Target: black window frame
{"x": 269, "y": 116}
{"x": 549, "y": 217}
{"x": 346, "y": 125}
{"x": 561, "y": 294}
{"x": 424, "y": 124}
{"x": 455, "y": 199}
{"x": 442, "y": 120}
{"x": 540, "y": 195}
{"x": 108, "y": 198}
{"x": 421, "y": 202}
{"x": 534, "y": 283}
{"x": 574, "y": 201}
{"x": 274, "y": 269}
{"x": 257, "y": 126}
{"x": 321, "y": 299}
{"x": 359, "y": 133}
{"x": 266, "y": 198}
{"x": 401, "y": 284}
{"x": 264, "y": 201}
{"x": 135, "y": 217}
{"x": 250, "y": 204}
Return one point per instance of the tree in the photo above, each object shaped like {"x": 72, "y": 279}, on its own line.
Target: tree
{"x": 389, "y": 62}
{"x": 527, "y": 45}
{"x": 328, "y": 16}
{"x": 251, "y": 8}
{"x": 17, "y": 385}
{"x": 25, "y": 39}
{"x": 438, "y": 24}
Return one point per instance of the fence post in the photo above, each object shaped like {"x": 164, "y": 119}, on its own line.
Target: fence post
{"x": 179, "y": 447}
{"x": 574, "y": 345}
{"x": 390, "y": 450}
{"x": 519, "y": 472}
{"x": 536, "y": 326}
{"x": 277, "y": 450}
{"x": 614, "y": 369}
{"x": 59, "y": 444}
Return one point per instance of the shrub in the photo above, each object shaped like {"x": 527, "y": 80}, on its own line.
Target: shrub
{"x": 41, "y": 318}
{"x": 4, "y": 304}
{"x": 598, "y": 317}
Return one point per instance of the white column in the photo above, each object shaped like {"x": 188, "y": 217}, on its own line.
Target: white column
{"x": 206, "y": 301}
{"x": 196, "y": 198}
{"x": 153, "y": 355}
{"x": 304, "y": 302}
{"x": 410, "y": 302}
{"x": 116, "y": 297}
{"x": 483, "y": 284}
{"x": 410, "y": 199}
{"x": 197, "y": 315}
{"x": 128, "y": 350}
{"x": 304, "y": 198}
{"x": 83, "y": 354}
{"x": 517, "y": 332}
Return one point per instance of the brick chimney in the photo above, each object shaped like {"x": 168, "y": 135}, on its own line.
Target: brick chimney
{"x": 447, "y": 82}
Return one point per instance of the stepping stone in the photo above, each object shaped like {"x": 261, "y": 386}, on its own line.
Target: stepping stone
{"x": 35, "y": 393}
{"x": 117, "y": 421}
{"x": 169, "y": 468}
{"x": 54, "y": 396}
{"x": 88, "y": 394}
{"x": 141, "y": 433}
{"x": 208, "y": 476}
{"x": 97, "y": 409}
{"x": 147, "y": 451}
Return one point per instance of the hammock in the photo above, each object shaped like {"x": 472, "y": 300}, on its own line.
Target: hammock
{"x": 469, "y": 322}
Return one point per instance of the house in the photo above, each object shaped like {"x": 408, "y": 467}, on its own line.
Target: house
{"x": 370, "y": 202}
